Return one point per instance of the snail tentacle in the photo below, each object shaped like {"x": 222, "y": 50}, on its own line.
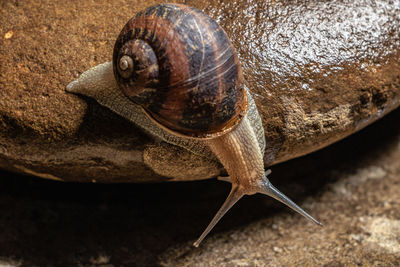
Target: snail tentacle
{"x": 234, "y": 196}
{"x": 242, "y": 158}
{"x": 270, "y": 190}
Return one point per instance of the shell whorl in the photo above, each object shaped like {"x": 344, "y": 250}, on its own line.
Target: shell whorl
{"x": 179, "y": 65}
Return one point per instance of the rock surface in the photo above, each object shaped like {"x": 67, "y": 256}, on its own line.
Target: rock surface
{"x": 318, "y": 71}
{"x": 351, "y": 186}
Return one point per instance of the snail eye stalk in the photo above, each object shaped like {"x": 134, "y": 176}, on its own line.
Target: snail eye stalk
{"x": 237, "y": 193}
{"x": 234, "y": 196}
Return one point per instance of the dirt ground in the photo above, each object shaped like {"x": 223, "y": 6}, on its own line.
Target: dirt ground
{"x": 352, "y": 187}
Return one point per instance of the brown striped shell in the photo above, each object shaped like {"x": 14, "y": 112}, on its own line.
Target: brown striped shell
{"x": 179, "y": 65}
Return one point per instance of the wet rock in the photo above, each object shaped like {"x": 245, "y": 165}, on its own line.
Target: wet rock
{"x": 318, "y": 71}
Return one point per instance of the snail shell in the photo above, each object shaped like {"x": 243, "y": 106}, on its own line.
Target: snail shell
{"x": 179, "y": 65}
{"x": 176, "y": 73}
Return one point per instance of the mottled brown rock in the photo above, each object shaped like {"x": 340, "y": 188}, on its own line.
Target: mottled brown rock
{"x": 318, "y": 71}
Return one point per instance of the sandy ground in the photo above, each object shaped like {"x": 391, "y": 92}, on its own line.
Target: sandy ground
{"x": 352, "y": 187}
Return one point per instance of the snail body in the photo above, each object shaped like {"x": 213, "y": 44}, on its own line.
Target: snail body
{"x": 176, "y": 74}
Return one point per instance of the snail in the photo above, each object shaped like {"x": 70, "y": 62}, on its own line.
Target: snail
{"x": 176, "y": 74}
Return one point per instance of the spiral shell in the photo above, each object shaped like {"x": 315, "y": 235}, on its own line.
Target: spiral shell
{"x": 179, "y": 65}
